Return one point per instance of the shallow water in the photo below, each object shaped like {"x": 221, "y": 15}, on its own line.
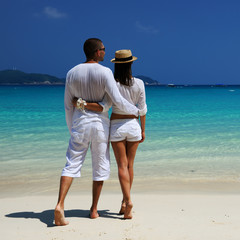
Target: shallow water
{"x": 192, "y": 134}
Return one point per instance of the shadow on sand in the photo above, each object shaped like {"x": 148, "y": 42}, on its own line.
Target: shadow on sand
{"x": 47, "y": 216}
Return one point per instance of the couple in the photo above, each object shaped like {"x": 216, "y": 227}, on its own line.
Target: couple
{"x": 90, "y": 125}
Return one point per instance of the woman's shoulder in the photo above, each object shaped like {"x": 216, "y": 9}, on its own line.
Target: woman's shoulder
{"x": 137, "y": 81}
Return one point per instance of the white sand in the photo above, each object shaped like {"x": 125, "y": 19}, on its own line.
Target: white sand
{"x": 162, "y": 216}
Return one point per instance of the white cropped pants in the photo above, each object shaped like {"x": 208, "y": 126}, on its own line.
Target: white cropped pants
{"x": 94, "y": 134}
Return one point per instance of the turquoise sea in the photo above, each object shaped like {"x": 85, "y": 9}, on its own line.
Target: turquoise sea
{"x": 192, "y": 135}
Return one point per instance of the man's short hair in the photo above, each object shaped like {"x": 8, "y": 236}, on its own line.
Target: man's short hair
{"x": 90, "y": 46}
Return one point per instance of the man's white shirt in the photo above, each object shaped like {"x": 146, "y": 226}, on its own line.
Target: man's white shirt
{"x": 91, "y": 82}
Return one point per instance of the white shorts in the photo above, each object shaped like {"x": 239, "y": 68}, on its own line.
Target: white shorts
{"x": 125, "y": 129}
{"x": 96, "y": 135}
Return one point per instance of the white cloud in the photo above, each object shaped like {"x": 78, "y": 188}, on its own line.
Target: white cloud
{"x": 146, "y": 29}
{"x": 53, "y": 13}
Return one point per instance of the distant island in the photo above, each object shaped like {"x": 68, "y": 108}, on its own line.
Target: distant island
{"x": 148, "y": 80}
{"x": 16, "y": 77}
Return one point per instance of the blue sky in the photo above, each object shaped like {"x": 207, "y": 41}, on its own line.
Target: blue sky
{"x": 176, "y": 41}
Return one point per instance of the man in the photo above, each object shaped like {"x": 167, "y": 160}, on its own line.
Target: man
{"x": 90, "y": 81}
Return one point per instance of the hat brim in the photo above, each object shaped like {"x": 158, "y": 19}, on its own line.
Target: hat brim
{"x": 133, "y": 59}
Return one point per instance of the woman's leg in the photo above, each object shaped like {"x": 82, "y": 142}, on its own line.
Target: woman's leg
{"x": 131, "y": 149}
{"x": 125, "y": 153}
{"x": 119, "y": 149}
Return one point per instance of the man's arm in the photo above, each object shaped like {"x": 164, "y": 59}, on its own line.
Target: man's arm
{"x": 113, "y": 92}
{"x": 68, "y": 106}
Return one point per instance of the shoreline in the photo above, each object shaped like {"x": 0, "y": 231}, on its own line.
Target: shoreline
{"x": 140, "y": 186}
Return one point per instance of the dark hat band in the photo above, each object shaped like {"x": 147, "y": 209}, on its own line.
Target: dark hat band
{"x": 124, "y": 59}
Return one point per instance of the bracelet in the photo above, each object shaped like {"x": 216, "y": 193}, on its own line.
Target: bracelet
{"x": 81, "y": 104}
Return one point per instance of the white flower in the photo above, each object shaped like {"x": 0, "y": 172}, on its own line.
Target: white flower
{"x": 81, "y": 104}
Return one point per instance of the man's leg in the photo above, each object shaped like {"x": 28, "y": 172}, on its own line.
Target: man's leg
{"x": 96, "y": 191}
{"x": 59, "y": 217}
{"x": 100, "y": 161}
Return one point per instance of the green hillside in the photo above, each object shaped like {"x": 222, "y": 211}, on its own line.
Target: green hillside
{"x": 8, "y": 77}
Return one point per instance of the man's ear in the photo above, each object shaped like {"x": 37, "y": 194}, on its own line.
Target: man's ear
{"x": 97, "y": 53}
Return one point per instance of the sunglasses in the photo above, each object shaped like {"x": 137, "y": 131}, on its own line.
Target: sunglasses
{"x": 102, "y": 49}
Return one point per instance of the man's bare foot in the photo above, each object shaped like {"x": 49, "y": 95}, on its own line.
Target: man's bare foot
{"x": 128, "y": 211}
{"x": 93, "y": 214}
{"x": 59, "y": 217}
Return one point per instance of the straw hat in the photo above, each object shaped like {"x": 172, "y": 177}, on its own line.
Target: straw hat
{"x": 123, "y": 56}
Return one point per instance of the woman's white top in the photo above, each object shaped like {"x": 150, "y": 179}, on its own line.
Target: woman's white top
{"x": 134, "y": 94}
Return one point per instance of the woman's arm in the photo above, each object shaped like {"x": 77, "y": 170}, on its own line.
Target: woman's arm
{"x": 90, "y": 106}
{"x": 143, "y": 120}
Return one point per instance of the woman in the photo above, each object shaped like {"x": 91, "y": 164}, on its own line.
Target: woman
{"x": 125, "y": 131}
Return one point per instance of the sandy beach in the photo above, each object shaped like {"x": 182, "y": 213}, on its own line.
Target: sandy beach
{"x": 168, "y": 216}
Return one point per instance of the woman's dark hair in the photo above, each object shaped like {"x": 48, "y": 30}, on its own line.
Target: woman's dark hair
{"x": 123, "y": 73}
{"x": 90, "y": 46}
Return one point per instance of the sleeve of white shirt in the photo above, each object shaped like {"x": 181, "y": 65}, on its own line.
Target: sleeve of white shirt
{"x": 106, "y": 103}
{"x": 142, "y": 100}
{"x": 69, "y": 108}
{"x": 113, "y": 92}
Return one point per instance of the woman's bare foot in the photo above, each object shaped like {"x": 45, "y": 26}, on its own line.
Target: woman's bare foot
{"x": 128, "y": 211}
{"x": 59, "y": 217}
{"x": 123, "y": 208}
{"x": 93, "y": 214}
